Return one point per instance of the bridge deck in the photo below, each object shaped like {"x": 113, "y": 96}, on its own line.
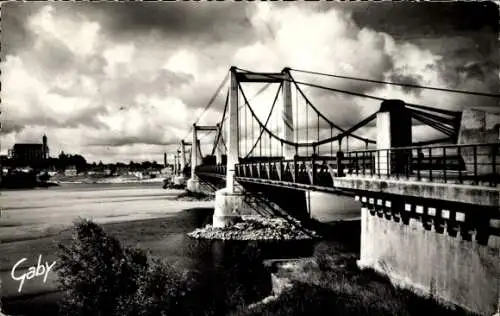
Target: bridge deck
{"x": 479, "y": 170}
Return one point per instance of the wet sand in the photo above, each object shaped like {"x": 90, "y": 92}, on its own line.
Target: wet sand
{"x": 33, "y": 221}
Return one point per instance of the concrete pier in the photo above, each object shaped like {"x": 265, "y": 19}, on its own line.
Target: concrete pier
{"x": 229, "y": 207}
{"x": 193, "y": 184}
{"x": 230, "y": 201}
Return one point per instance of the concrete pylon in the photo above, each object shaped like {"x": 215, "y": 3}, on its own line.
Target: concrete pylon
{"x": 193, "y": 184}
{"x": 180, "y": 178}
{"x": 393, "y": 130}
{"x": 287, "y": 127}
{"x": 229, "y": 202}
{"x": 218, "y": 146}
{"x": 183, "y": 161}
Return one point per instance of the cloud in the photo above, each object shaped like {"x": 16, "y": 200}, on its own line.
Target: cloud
{"x": 111, "y": 80}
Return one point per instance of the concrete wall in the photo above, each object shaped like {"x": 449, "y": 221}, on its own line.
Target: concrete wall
{"x": 438, "y": 239}
{"x": 479, "y": 126}
{"x": 471, "y": 194}
{"x": 328, "y": 208}
{"x": 447, "y": 268}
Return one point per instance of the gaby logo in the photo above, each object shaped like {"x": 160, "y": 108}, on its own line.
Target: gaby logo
{"x": 35, "y": 271}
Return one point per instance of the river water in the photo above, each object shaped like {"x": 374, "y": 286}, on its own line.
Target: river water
{"x": 142, "y": 215}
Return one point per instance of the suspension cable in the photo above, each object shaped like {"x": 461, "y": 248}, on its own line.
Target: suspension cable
{"x": 347, "y": 92}
{"x": 401, "y": 84}
{"x": 350, "y": 130}
{"x": 434, "y": 124}
{"x": 440, "y": 128}
{"x": 210, "y": 102}
{"x": 255, "y": 95}
{"x": 319, "y": 113}
{"x": 267, "y": 121}
{"x": 360, "y": 124}
{"x": 449, "y": 121}
{"x": 222, "y": 122}
{"x": 212, "y": 99}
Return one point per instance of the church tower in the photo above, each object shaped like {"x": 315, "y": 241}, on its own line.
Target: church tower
{"x": 45, "y": 147}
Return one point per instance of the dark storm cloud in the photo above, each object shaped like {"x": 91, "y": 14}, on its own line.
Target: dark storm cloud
{"x": 204, "y": 22}
{"x": 15, "y": 36}
{"x": 201, "y": 38}
{"x": 430, "y": 18}
{"x": 183, "y": 22}
{"x": 414, "y": 79}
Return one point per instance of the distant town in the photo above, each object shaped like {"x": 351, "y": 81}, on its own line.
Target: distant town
{"x": 34, "y": 159}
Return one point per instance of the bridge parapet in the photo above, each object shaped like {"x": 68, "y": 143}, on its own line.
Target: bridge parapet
{"x": 429, "y": 164}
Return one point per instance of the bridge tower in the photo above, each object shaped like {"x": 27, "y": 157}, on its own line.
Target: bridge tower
{"x": 218, "y": 146}
{"x": 393, "y": 130}
{"x": 229, "y": 201}
{"x": 175, "y": 165}
{"x": 180, "y": 177}
{"x": 193, "y": 184}
{"x": 183, "y": 161}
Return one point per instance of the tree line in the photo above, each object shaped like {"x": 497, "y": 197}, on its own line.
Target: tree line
{"x": 65, "y": 161}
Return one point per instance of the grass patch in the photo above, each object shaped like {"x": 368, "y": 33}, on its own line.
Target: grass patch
{"x": 331, "y": 284}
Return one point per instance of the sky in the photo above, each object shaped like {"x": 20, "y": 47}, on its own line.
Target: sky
{"x": 126, "y": 81}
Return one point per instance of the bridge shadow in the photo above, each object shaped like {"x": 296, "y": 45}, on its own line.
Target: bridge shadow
{"x": 290, "y": 204}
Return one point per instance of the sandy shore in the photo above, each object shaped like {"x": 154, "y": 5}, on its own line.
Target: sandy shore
{"x": 33, "y": 220}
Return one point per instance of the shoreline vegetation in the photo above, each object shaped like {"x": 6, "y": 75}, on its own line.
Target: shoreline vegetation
{"x": 29, "y": 181}
{"x": 139, "y": 283}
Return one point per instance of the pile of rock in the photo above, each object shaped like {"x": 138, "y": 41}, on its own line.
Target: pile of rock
{"x": 257, "y": 228}
{"x": 191, "y": 196}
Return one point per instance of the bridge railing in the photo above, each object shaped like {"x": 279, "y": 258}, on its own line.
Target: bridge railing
{"x": 219, "y": 170}
{"x": 475, "y": 164}
{"x": 316, "y": 171}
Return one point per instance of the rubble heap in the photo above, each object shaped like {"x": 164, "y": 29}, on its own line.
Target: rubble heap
{"x": 257, "y": 228}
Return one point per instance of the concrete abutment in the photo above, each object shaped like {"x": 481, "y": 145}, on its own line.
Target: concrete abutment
{"x": 450, "y": 252}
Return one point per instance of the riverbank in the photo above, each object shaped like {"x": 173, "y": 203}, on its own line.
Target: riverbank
{"x": 99, "y": 180}
{"x": 160, "y": 237}
{"x": 220, "y": 268}
{"x": 330, "y": 283}
{"x": 304, "y": 277}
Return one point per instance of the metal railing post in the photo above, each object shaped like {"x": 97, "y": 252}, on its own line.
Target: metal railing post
{"x": 419, "y": 163}
{"x": 494, "y": 177}
{"x": 340, "y": 166}
{"x": 444, "y": 163}
{"x": 476, "y": 180}
{"x": 378, "y": 163}
{"x": 295, "y": 171}
{"x": 460, "y": 178}
{"x": 430, "y": 164}
{"x": 363, "y": 166}
{"x": 356, "y": 162}
{"x": 313, "y": 178}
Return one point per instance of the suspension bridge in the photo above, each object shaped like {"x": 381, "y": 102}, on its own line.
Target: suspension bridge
{"x": 430, "y": 217}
